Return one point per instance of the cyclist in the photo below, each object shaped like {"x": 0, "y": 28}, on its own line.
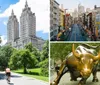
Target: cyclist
{"x": 8, "y": 74}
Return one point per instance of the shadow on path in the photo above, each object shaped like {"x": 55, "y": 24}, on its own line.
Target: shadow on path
{"x": 11, "y": 84}
{"x": 15, "y": 76}
{"x": 3, "y": 76}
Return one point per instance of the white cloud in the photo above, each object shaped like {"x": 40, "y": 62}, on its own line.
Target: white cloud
{"x": 40, "y": 7}
{"x": 4, "y": 40}
{"x": 5, "y": 22}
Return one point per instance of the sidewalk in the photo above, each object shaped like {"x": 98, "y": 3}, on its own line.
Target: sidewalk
{"x": 18, "y": 79}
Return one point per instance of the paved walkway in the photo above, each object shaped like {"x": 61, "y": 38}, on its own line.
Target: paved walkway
{"x": 17, "y": 79}
{"x": 65, "y": 80}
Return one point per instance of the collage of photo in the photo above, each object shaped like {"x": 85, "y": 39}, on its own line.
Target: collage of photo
{"x": 49, "y": 42}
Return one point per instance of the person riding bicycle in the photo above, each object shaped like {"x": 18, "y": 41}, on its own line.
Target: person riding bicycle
{"x": 8, "y": 74}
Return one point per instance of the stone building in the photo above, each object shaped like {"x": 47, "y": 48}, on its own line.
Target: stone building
{"x": 27, "y": 33}
{"x": 54, "y": 18}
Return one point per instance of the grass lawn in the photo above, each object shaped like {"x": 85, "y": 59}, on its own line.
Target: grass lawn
{"x": 34, "y": 75}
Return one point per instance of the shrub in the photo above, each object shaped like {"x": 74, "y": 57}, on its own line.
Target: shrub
{"x": 44, "y": 68}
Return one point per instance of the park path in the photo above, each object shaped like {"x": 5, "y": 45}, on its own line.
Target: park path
{"x": 17, "y": 79}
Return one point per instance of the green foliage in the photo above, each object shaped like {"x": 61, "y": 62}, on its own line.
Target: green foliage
{"x": 26, "y": 58}
{"x": 33, "y": 50}
{"x": 0, "y": 40}
{"x": 45, "y": 67}
{"x": 44, "y": 64}
{"x": 22, "y": 58}
{"x": 36, "y": 53}
{"x": 29, "y": 46}
{"x": 61, "y": 50}
{"x": 45, "y": 51}
{"x": 35, "y": 70}
{"x": 5, "y": 54}
{"x": 14, "y": 60}
{"x": 33, "y": 63}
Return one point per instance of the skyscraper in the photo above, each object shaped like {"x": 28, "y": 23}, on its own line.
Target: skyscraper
{"x": 27, "y": 30}
{"x": 54, "y": 18}
{"x": 81, "y": 9}
{"x": 27, "y": 23}
{"x": 12, "y": 28}
{"x": 28, "y": 26}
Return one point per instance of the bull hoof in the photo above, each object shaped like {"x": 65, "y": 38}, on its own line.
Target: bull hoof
{"x": 80, "y": 84}
{"x": 53, "y": 83}
{"x": 50, "y": 83}
{"x": 95, "y": 80}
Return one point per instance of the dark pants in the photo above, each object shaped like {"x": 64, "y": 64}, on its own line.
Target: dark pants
{"x": 8, "y": 74}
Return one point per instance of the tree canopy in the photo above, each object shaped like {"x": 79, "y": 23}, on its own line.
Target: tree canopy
{"x": 0, "y": 40}
{"x": 61, "y": 50}
{"x": 5, "y": 53}
{"x": 22, "y": 58}
{"x": 45, "y": 51}
{"x": 33, "y": 50}
{"x": 44, "y": 64}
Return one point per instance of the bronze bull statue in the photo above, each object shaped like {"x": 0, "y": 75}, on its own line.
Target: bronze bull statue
{"x": 80, "y": 63}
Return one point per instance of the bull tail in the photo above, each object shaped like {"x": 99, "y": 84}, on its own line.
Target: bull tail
{"x": 61, "y": 72}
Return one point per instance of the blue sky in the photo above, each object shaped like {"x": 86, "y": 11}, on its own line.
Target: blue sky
{"x": 71, "y": 4}
{"x": 5, "y": 4}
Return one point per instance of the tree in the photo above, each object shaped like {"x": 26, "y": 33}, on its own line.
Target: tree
{"x": 14, "y": 62}
{"x": 44, "y": 64}
{"x": 45, "y": 67}
{"x": 45, "y": 51}
{"x": 0, "y": 40}
{"x": 5, "y": 54}
{"x": 61, "y": 50}
{"x": 23, "y": 58}
{"x": 29, "y": 46}
{"x": 33, "y": 50}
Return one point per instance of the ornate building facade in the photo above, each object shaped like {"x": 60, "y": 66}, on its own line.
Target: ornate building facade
{"x": 54, "y": 18}
{"x": 27, "y": 33}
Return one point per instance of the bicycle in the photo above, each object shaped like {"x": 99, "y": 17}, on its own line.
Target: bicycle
{"x": 8, "y": 78}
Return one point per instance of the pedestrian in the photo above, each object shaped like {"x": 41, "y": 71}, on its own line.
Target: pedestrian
{"x": 70, "y": 29}
{"x": 58, "y": 36}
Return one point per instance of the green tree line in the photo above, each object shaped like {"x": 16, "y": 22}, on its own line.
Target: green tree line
{"x": 26, "y": 58}
{"x": 61, "y": 50}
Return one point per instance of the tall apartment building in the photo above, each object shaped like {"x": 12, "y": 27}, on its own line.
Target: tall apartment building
{"x": 12, "y": 28}
{"x": 54, "y": 18}
{"x": 88, "y": 10}
{"x": 75, "y": 13}
{"x": 81, "y": 9}
{"x": 61, "y": 17}
{"x": 97, "y": 9}
{"x": 28, "y": 25}
{"x": 27, "y": 30}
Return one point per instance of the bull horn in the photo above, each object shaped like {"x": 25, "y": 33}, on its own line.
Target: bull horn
{"x": 97, "y": 57}
{"x": 74, "y": 52}
{"x": 89, "y": 46}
